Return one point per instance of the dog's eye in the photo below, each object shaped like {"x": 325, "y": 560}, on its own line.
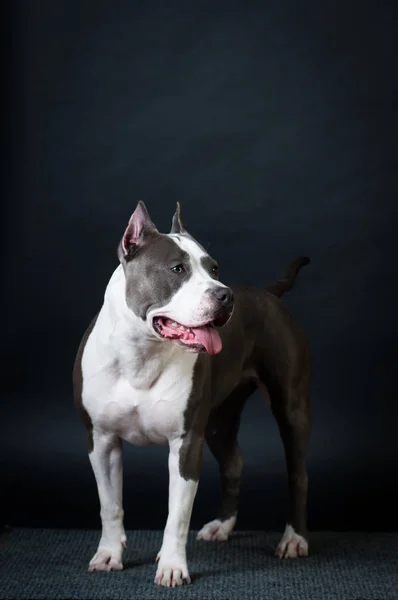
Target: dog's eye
{"x": 178, "y": 269}
{"x": 215, "y": 271}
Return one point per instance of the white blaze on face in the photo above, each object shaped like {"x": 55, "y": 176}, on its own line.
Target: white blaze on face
{"x": 192, "y": 304}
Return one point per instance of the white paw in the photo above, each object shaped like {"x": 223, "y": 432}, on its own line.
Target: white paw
{"x": 172, "y": 573}
{"x": 217, "y": 531}
{"x": 106, "y": 559}
{"x": 292, "y": 545}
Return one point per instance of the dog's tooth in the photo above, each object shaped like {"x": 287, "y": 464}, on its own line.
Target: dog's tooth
{"x": 182, "y": 327}
{"x": 174, "y": 324}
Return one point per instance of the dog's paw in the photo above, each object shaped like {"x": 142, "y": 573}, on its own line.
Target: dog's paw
{"x": 292, "y": 545}
{"x": 172, "y": 573}
{"x": 106, "y": 559}
{"x": 217, "y": 531}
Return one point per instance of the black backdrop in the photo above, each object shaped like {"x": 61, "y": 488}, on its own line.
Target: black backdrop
{"x": 275, "y": 125}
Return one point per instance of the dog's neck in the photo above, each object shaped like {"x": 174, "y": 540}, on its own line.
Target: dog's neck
{"x": 140, "y": 355}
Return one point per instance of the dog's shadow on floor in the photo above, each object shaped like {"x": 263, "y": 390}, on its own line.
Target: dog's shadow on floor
{"x": 262, "y": 545}
{"x": 140, "y": 561}
{"x": 149, "y": 561}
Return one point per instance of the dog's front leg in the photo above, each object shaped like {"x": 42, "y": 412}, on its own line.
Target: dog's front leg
{"x": 106, "y": 460}
{"x": 184, "y": 468}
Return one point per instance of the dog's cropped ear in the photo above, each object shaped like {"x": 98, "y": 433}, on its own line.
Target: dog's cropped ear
{"x": 139, "y": 229}
{"x": 176, "y": 225}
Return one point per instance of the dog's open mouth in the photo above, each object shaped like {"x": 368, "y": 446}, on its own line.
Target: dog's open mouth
{"x": 204, "y": 338}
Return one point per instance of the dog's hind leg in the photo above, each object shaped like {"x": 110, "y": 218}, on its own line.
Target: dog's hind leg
{"x": 222, "y": 439}
{"x": 291, "y": 409}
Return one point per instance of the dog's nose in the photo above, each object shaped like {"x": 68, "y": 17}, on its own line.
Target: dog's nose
{"x": 224, "y": 295}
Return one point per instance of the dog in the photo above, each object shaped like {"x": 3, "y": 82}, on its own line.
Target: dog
{"x": 171, "y": 358}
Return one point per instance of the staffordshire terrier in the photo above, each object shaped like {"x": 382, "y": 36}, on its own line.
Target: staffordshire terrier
{"x": 171, "y": 358}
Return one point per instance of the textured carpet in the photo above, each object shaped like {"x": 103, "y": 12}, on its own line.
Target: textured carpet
{"x": 52, "y": 564}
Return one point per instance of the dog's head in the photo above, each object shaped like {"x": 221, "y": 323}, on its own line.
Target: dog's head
{"x": 172, "y": 284}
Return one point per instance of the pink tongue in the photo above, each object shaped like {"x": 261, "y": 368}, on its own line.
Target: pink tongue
{"x": 209, "y": 338}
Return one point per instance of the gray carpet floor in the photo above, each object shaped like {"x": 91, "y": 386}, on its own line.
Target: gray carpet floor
{"x": 52, "y": 564}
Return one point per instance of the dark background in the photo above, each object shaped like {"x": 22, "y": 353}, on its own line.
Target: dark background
{"x": 275, "y": 125}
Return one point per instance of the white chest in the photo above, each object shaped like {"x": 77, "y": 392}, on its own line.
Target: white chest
{"x": 141, "y": 414}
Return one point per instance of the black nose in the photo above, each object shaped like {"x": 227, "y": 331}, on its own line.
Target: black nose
{"x": 224, "y": 295}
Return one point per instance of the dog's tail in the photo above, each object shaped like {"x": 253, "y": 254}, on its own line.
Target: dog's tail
{"x": 278, "y": 288}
